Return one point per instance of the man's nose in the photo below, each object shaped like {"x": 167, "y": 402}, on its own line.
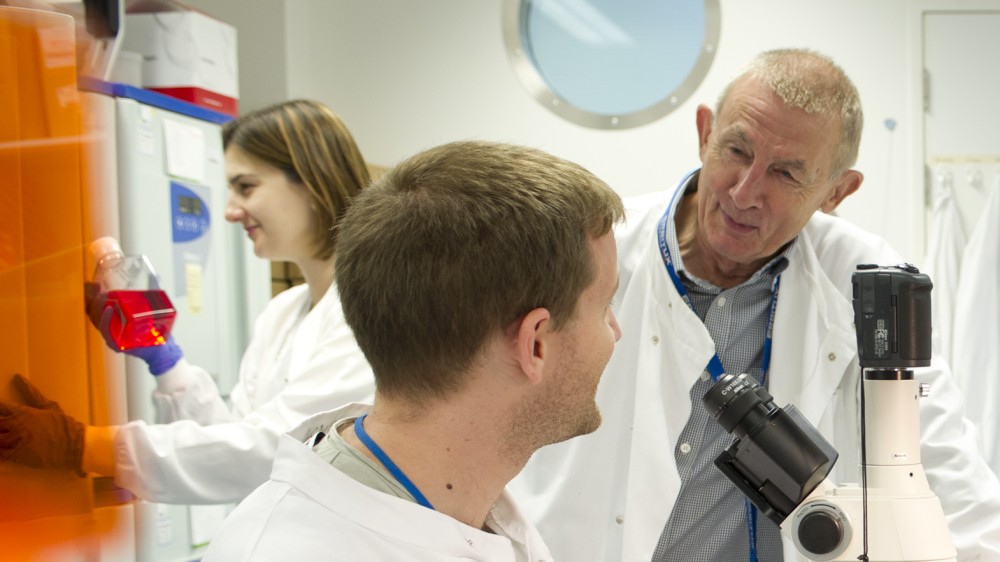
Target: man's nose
{"x": 749, "y": 188}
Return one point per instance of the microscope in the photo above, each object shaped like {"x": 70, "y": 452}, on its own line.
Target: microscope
{"x": 781, "y": 462}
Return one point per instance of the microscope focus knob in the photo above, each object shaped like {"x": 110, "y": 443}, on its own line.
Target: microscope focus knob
{"x": 821, "y": 531}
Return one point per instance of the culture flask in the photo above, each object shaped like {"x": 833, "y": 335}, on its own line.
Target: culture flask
{"x": 141, "y": 314}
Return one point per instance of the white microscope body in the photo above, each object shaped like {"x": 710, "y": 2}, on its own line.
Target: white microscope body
{"x": 780, "y": 461}
{"x": 905, "y": 520}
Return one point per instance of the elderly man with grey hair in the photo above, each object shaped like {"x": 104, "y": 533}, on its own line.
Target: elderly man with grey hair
{"x": 742, "y": 269}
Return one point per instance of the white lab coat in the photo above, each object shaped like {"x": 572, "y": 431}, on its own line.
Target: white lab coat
{"x": 309, "y": 510}
{"x": 977, "y": 329}
{"x": 607, "y": 496}
{"x": 944, "y": 261}
{"x": 299, "y": 362}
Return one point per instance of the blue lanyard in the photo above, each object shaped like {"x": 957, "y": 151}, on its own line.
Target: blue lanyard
{"x": 359, "y": 430}
{"x": 714, "y": 367}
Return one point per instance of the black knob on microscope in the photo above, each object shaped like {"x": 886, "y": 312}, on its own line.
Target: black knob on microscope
{"x": 820, "y": 532}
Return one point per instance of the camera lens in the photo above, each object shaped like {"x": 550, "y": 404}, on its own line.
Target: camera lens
{"x": 778, "y": 457}
{"x": 738, "y": 403}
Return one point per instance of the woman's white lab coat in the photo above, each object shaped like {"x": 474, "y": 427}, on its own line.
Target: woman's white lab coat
{"x": 299, "y": 362}
{"x": 607, "y": 496}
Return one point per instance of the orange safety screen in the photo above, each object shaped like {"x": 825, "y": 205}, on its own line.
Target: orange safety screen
{"x": 43, "y": 236}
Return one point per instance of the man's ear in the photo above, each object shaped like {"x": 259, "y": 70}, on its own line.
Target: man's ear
{"x": 848, "y": 183}
{"x": 704, "y": 119}
{"x": 533, "y": 333}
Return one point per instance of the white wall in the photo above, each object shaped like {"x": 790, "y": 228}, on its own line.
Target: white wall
{"x": 409, "y": 75}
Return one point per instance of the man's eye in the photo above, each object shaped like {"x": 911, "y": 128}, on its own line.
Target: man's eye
{"x": 736, "y": 151}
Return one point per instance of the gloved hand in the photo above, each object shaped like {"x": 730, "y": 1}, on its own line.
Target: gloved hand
{"x": 37, "y": 433}
{"x": 159, "y": 358}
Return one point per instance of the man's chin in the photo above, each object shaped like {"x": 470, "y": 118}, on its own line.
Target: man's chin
{"x": 596, "y": 420}
{"x": 587, "y": 425}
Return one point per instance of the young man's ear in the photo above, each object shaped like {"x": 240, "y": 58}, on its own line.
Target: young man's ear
{"x": 532, "y": 343}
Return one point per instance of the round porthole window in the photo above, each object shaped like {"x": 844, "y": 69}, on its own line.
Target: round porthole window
{"x": 611, "y": 64}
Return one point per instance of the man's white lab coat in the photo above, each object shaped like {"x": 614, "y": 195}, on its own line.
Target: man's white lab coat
{"x": 607, "y": 496}
{"x": 309, "y": 510}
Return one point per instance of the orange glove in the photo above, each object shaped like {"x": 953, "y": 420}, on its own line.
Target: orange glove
{"x": 37, "y": 433}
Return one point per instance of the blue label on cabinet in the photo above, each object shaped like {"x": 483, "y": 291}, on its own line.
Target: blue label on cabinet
{"x": 189, "y": 213}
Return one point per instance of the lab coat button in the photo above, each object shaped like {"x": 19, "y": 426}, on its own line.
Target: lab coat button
{"x": 655, "y": 340}
{"x": 832, "y": 356}
{"x": 620, "y": 519}
{"x": 685, "y": 448}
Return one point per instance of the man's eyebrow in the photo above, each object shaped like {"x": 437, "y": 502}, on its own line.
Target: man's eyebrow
{"x": 796, "y": 164}
{"x": 741, "y": 135}
{"x": 735, "y": 133}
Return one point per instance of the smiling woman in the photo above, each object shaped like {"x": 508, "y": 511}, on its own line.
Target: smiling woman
{"x": 611, "y": 65}
{"x": 293, "y": 169}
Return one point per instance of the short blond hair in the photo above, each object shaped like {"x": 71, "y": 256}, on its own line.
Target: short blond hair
{"x": 456, "y": 243}
{"x": 810, "y": 81}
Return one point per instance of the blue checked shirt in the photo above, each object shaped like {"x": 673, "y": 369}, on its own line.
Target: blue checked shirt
{"x": 708, "y": 522}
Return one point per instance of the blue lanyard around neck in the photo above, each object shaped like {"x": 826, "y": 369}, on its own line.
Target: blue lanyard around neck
{"x": 714, "y": 367}
{"x": 397, "y": 473}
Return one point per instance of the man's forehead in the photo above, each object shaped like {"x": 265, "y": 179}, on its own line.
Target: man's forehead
{"x": 793, "y": 154}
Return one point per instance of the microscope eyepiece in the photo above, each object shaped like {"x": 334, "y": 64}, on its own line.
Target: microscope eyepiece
{"x": 738, "y": 403}
{"x": 778, "y": 457}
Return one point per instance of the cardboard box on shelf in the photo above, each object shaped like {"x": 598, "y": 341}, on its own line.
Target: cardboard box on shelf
{"x": 186, "y": 55}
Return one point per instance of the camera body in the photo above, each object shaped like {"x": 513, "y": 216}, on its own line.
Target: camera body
{"x": 892, "y": 316}
{"x": 778, "y": 458}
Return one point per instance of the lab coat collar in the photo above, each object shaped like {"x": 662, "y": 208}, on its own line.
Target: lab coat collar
{"x": 814, "y": 342}
{"x": 296, "y": 465}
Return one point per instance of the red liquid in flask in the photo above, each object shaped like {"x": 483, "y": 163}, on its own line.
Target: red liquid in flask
{"x": 141, "y": 319}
